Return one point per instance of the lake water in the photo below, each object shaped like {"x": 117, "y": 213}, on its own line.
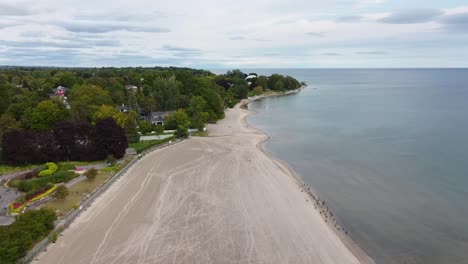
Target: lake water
{"x": 388, "y": 151}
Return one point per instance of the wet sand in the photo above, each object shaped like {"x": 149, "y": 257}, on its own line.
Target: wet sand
{"x": 217, "y": 199}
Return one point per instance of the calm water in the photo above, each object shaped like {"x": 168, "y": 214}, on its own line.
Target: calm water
{"x": 387, "y": 149}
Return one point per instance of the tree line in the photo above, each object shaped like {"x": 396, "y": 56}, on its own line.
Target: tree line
{"x": 35, "y": 121}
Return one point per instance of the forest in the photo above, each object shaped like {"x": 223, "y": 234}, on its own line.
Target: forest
{"x": 52, "y": 114}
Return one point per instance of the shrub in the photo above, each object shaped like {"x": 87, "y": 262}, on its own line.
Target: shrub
{"x": 53, "y": 237}
{"x": 67, "y": 167}
{"x": 110, "y": 169}
{"x": 35, "y": 184}
{"x": 33, "y": 193}
{"x": 51, "y": 169}
{"x": 29, "y": 228}
{"x": 91, "y": 174}
{"x": 111, "y": 160}
{"x": 144, "y": 145}
{"x": 182, "y": 131}
{"x": 159, "y": 129}
{"x": 45, "y": 173}
{"x": 258, "y": 90}
{"x": 61, "y": 192}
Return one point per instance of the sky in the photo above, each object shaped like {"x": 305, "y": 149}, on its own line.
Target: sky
{"x": 214, "y": 34}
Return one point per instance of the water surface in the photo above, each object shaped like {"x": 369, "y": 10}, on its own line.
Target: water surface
{"x": 387, "y": 149}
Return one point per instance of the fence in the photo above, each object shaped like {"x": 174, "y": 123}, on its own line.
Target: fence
{"x": 67, "y": 220}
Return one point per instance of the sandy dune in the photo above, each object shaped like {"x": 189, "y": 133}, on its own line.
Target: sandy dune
{"x": 217, "y": 199}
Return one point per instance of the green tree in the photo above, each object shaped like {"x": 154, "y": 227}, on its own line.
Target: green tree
{"x": 4, "y": 94}
{"x": 90, "y": 95}
{"x": 7, "y": 123}
{"x": 80, "y": 112}
{"x": 106, "y": 111}
{"x": 91, "y": 174}
{"x": 159, "y": 129}
{"x": 263, "y": 82}
{"x": 45, "y": 115}
{"x": 258, "y": 90}
{"x": 28, "y": 229}
{"x": 180, "y": 122}
{"x": 240, "y": 91}
{"x": 130, "y": 127}
{"x": 197, "y": 113}
{"x": 236, "y": 74}
{"x": 117, "y": 92}
{"x": 66, "y": 79}
{"x": 166, "y": 93}
{"x": 61, "y": 192}
{"x": 132, "y": 102}
{"x": 145, "y": 127}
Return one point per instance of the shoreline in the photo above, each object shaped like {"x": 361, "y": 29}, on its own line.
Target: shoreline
{"x": 208, "y": 199}
{"x": 357, "y": 251}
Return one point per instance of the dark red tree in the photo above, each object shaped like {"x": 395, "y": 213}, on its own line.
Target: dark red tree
{"x": 110, "y": 139}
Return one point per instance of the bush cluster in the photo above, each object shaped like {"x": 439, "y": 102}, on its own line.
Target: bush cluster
{"x": 67, "y": 167}
{"x": 91, "y": 174}
{"x": 51, "y": 169}
{"x": 38, "y": 183}
{"x": 29, "y": 228}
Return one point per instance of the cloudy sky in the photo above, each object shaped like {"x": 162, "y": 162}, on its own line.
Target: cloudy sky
{"x": 241, "y": 33}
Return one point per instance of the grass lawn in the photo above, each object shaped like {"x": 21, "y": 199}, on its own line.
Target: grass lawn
{"x": 7, "y": 169}
{"x": 200, "y": 134}
{"x": 144, "y": 145}
{"x": 77, "y": 193}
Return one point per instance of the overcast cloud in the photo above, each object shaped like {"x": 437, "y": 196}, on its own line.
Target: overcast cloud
{"x": 226, "y": 34}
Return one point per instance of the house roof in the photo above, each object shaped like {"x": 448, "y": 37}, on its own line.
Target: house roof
{"x": 161, "y": 113}
{"x": 123, "y": 108}
{"x": 59, "y": 91}
{"x": 130, "y": 87}
{"x": 159, "y": 116}
{"x": 61, "y": 88}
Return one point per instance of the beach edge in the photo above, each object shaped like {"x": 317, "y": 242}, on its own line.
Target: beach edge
{"x": 352, "y": 246}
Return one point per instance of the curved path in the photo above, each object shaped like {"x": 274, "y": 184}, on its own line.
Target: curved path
{"x": 216, "y": 199}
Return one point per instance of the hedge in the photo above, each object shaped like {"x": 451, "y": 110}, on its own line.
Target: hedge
{"x": 144, "y": 145}
{"x": 35, "y": 184}
{"x": 67, "y": 167}
{"x": 51, "y": 169}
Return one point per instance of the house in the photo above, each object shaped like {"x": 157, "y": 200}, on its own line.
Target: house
{"x": 60, "y": 91}
{"x": 252, "y": 76}
{"x": 130, "y": 87}
{"x": 157, "y": 118}
{"x": 124, "y": 109}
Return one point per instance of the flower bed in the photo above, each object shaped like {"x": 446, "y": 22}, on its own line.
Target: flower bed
{"x": 79, "y": 171}
{"x": 16, "y": 207}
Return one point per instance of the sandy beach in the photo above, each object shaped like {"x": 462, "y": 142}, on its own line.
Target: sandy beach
{"x": 216, "y": 199}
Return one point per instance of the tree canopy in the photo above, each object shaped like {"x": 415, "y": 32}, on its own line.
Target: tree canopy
{"x": 126, "y": 95}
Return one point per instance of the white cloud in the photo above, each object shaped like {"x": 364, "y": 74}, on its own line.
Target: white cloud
{"x": 272, "y": 33}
